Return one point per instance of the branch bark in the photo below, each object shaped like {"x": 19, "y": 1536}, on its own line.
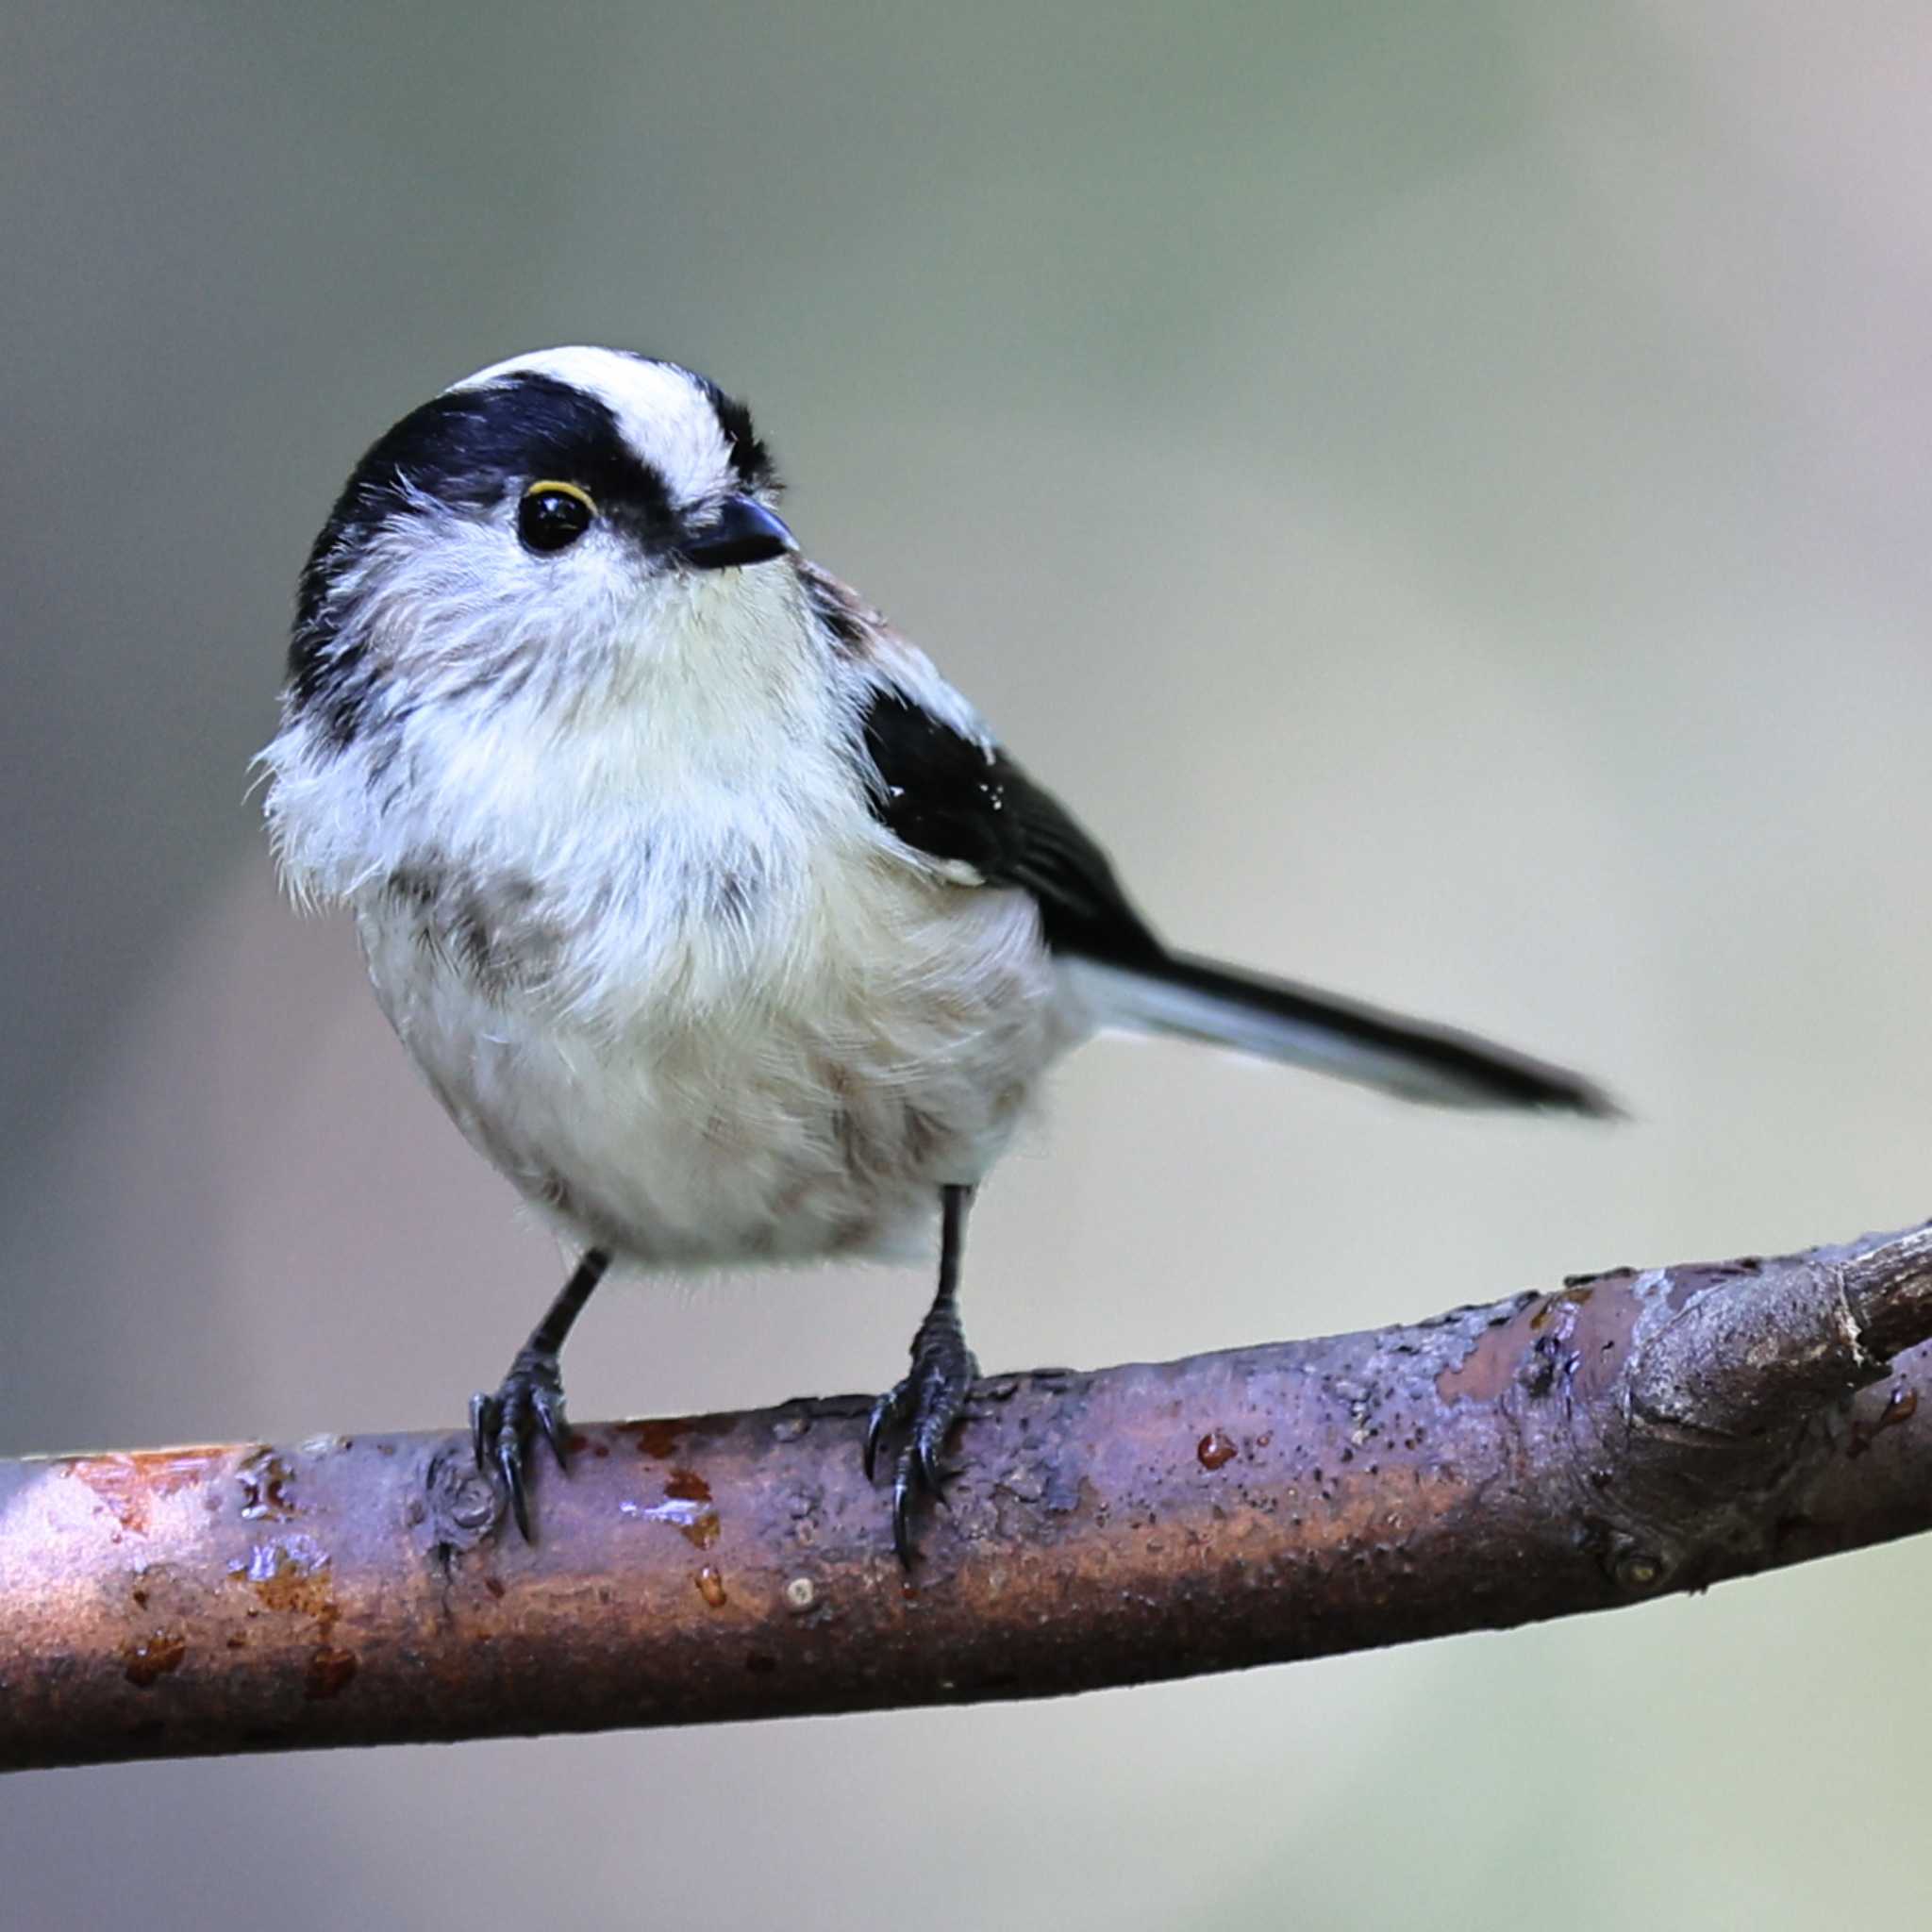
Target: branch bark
{"x": 1626, "y": 1435}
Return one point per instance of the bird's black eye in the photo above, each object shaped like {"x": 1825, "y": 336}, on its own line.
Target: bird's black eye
{"x": 553, "y": 516}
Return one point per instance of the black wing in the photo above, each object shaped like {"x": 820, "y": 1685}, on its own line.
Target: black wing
{"x": 946, "y": 795}
{"x": 951, "y": 797}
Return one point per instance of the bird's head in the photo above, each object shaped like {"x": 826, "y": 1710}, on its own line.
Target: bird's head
{"x": 531, "y": 531}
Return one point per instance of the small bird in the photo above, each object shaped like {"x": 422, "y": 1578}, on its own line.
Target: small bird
{"x": 716, "y": 919}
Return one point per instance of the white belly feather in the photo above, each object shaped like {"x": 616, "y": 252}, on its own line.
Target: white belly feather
{"x": 712, "y": 1100}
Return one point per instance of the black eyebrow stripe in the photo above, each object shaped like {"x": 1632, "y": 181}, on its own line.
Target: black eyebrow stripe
{"x": 467, "y": 449}
{"x": 464, "y": 447}
{"x": 751, "y": 461}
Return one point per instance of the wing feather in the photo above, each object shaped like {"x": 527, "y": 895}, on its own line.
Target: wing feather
{"x": 944, "y": 787}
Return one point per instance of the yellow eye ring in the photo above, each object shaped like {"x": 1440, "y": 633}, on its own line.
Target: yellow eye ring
{"x": 553, "y": 515}
{"x": 546, "y": 485}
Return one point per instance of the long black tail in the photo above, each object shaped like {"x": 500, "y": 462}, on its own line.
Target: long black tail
{"x": 1201, "y": 999}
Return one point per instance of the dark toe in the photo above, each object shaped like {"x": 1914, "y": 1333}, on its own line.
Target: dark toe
{"x": 885, "y": 1412}
{"x": 486, "y": 1417}
{"x": 905, "y": 1494}
{"x": 509, "y": 1473}
{"x": 503, "y": 1428}
{"x": 549, "y": 1407}
{"x": 926, "y": 1403}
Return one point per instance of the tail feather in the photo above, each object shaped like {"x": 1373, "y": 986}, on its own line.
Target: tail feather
{"x": 1200, "y": 999}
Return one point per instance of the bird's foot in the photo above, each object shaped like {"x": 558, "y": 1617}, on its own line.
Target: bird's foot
{"x": 926, "y": 1404}
{"x": 505, "y": 1426}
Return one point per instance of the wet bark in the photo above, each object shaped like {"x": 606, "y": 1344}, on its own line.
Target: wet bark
{"x": 1628, "y": 1434}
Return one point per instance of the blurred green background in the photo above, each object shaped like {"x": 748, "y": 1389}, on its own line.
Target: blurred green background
{"x": 1444, "y": 491}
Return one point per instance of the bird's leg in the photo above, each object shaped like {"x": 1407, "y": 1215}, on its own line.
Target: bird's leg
{"x": 928, "y": 1400}
{"x": 504, "y": 1425}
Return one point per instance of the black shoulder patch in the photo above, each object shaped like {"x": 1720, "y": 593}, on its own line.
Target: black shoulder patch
{"x": 947, "y": 796}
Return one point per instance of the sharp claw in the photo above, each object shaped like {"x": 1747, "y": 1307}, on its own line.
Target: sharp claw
{"x": 510, "y": 1463}
{"x": 928, "y": 1448}
{"x": 903, "y": 1492}
{"x": 550, "y": 1418}
{"x": 482, "y": 1426}
{"x": 876, "y": 1431}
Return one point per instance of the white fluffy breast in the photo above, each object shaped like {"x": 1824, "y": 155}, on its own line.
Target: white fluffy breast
{"x": 659, "y": 963}
{"x": 709, "y": 1109}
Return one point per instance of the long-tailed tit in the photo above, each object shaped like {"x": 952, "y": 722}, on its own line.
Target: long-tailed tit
{"x": 711, "y": 914}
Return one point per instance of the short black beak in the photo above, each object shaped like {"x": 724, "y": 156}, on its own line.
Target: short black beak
{"x": 740, "y": 532}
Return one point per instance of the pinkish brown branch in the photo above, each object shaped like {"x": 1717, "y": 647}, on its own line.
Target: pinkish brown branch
{"x": 1626, "y": 1435}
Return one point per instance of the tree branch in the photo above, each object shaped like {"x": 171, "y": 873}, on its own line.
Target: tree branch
{"x": 1627, "y": 1435}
